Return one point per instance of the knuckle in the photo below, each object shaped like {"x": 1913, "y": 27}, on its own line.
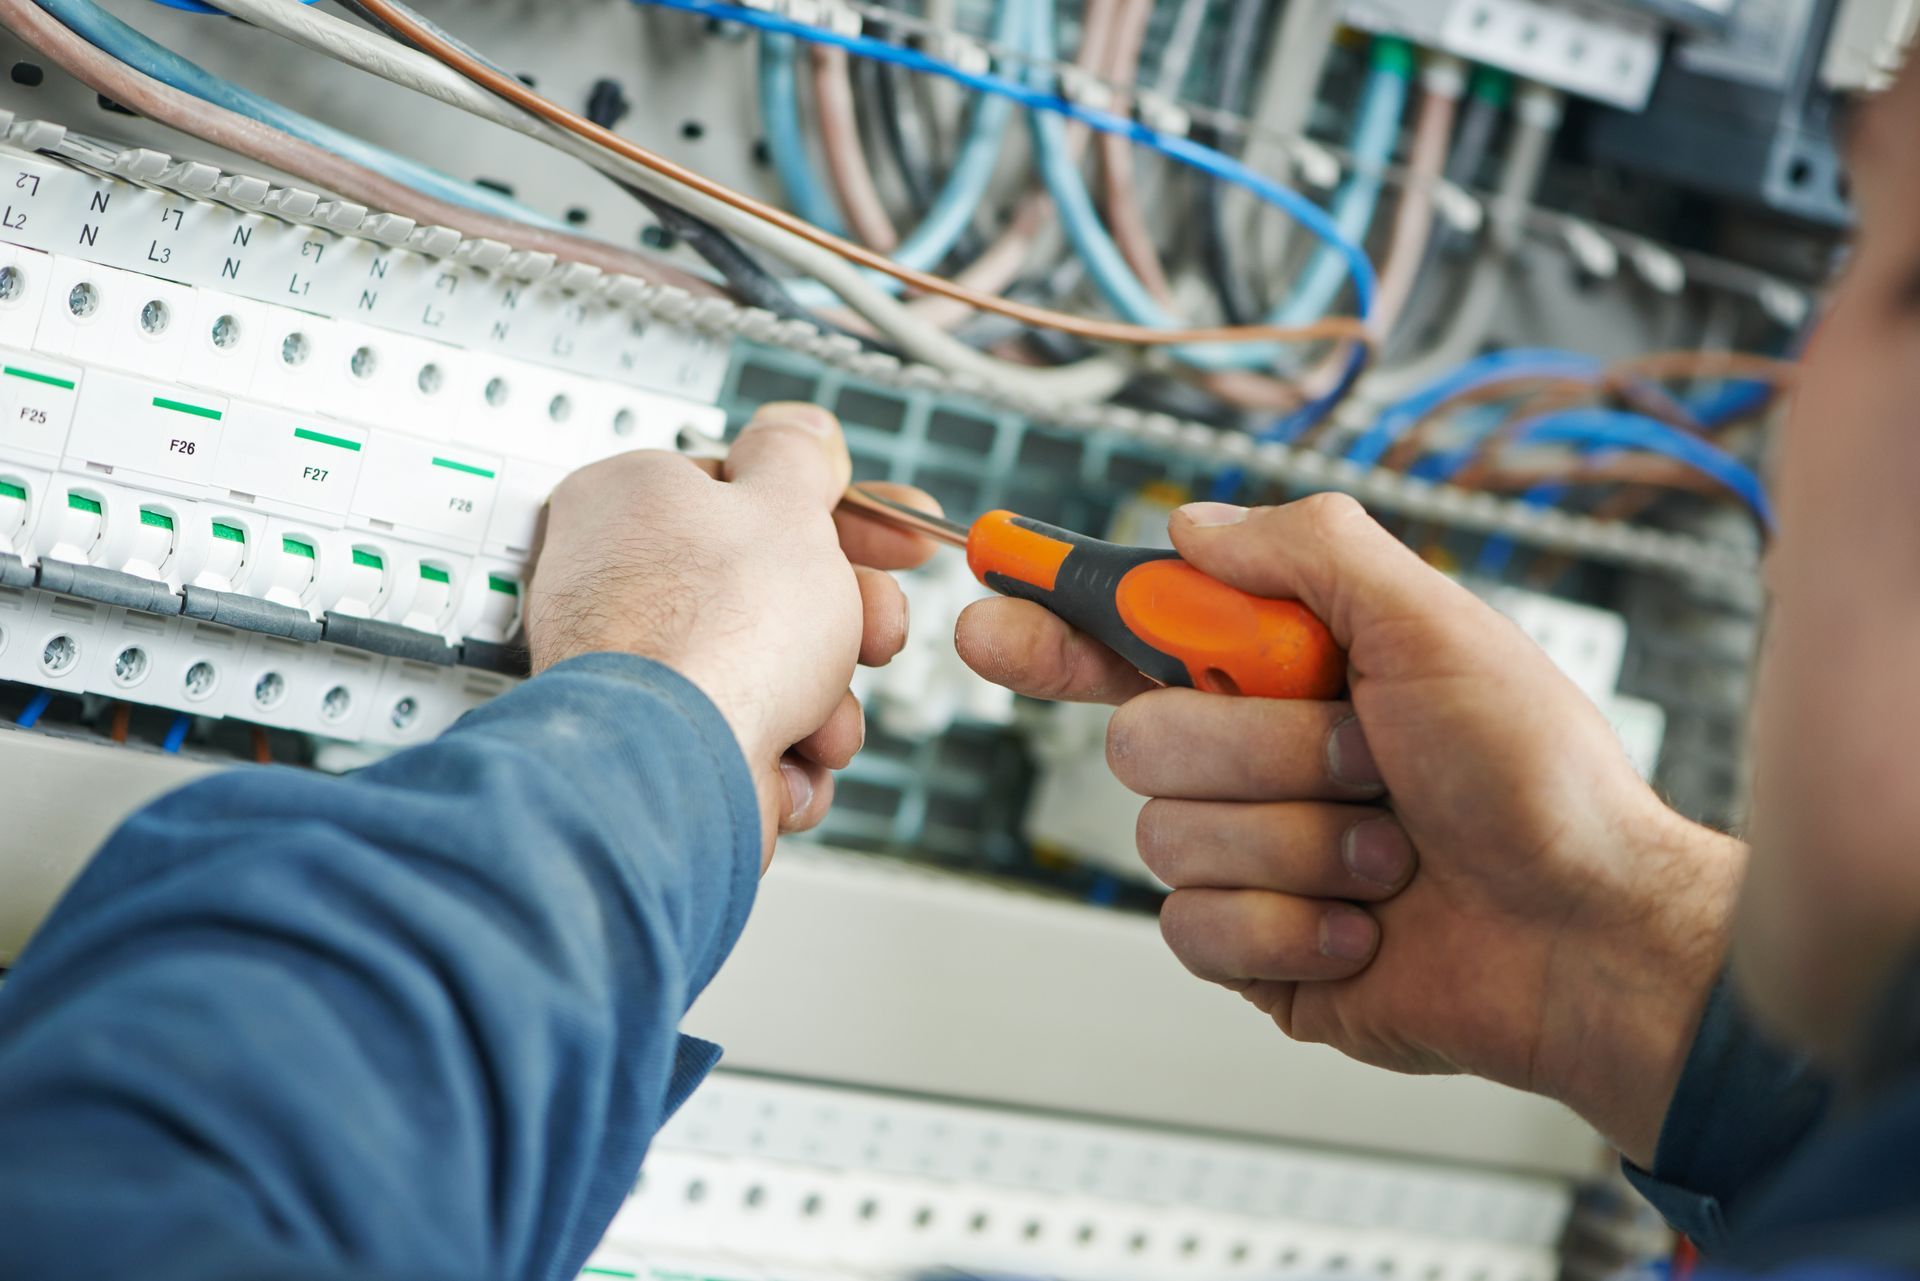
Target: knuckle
{"x": 1330, "y": 513}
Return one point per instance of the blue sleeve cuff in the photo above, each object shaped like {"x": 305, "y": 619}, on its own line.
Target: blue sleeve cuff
{"x": 1742, "y": 1106}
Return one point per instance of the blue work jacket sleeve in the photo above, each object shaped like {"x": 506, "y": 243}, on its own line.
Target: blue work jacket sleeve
{"x": 1743, "y": 1106}
{"x": 419, "y": 1021}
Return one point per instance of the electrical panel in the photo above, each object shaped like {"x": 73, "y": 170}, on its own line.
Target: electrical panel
{"x": 273, "y": 456}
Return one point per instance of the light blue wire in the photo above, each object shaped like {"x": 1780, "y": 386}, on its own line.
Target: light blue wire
{"x": 114, "y": 37}
{"x": 1184, "y": 150}
{"x": 1618, "y": 429}
{"x": 1500, "y": 366}
{"x": 35, "y": 709}
{"x": 961, "y": 195}
{"x": 177, "y": 733}
{"x": 786, "y": 145}
{"x": 1376, "y": 129}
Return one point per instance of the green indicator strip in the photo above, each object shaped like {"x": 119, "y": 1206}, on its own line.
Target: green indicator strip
{"x": 468, "y": 468}
{"x": 182, "y": 407}
{"x": 235, "y": 534}
{"x": 80, "y": 503}
{"x": 367, "y": 560}
{"x": 435, "y": 575}
{"x": 65, "y": 384}
{"x": 159, "y": 520}
{"x": 495, "y": 583}
{"x": 294, "y": 547}
{"x": 10, "y": 490}
{"x": 608, "y": 1272}
{"x": 321, "y": 438}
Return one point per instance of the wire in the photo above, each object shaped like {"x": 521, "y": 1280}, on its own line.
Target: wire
{"x": 1514, "y": 365}
{"x": 1230, "y": 284}
{"x": 786, "y": 145}
{"x": 1617, "y": 429}
{"x": 1289, "y": 87}
{"x": 1537, "y": 124}
{"x": 370, "y": 51}
{"x": 121, "y": 722}
{"x": 965, "y": 189}
{"x": 262, "y": 747}
{"x": 847, "y": 167}
{"x": 268, "y": 146}
{"x": 34, "y": 710}
{"x": 130, "y": 46}
{"x": 1125, "y": 217}
{"x": 1182, "y": 149}
{"x": 909, "y": 142}
{"x": 177, "y": 733}
{"x": 1182, "y": 42}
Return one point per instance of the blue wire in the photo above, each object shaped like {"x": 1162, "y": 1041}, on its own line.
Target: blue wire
{"x": 1520, "y": 362}
{"x": 1618, "y": 429}
{"x": 1497, "y": 552}
{"x": 1376, "y": 130}
{"x": 1733, "y": 401}
{"x": 786, "y": 145}
{"x": 31, "y": 714}
{"x": 114, "y": 37}
{"x": 965, "y": 189}
{"x": 194, "y": 6}
{"x": 1184, "y": 150}
{"x": 177, "y": 733}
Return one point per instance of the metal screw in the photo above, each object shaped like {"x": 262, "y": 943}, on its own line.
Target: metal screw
{"x": 296, "y": 349}
{"x": 83, "y": 300}
{"x": 430, "y": 379}
{"x": 560, "y": 408}
{"x": 363, "y": 362}
{"x": 269, "y": 690}
{"x": 200, "y": 680}
{"x": 623, "y": 423}
{"x": 11, "y": 283}
{"x": 130, "y": 667}
{"x": 336, "y": 704}
{"x": 497, "y": 392}
{"x": 153, "y": 317}
{"x": 405, "y": 713}
{"x": 61, "y": 653}
{"x": 226, "y": 332}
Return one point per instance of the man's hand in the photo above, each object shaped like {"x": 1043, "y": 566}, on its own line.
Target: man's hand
{"x": 738, "y": 576}
{"x": 1458, "y": 871}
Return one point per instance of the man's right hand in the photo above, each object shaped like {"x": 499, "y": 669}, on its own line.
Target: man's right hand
{"x": 1457, "y": 871}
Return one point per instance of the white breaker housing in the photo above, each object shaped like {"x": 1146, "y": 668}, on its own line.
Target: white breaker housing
{"x": 253, "y": 467}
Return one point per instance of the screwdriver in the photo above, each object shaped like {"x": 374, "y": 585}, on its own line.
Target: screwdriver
{"x": 1172, "y": 622}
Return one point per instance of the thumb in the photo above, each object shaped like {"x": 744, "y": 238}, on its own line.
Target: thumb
{"x": 793, "y": 447}
{"x": 1325, "y": 552}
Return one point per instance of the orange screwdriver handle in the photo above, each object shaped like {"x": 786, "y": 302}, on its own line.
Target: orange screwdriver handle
{"x": 1168, "y": 619}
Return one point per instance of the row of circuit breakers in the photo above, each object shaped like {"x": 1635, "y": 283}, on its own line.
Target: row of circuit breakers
{"x": 232, "y": 508}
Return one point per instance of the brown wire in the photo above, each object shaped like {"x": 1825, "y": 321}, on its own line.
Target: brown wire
{"x": 121, "y": 722}
{"x": 513, "y": 91}
{"x": 262, "y": 747}
{"x": 269, "y": 146}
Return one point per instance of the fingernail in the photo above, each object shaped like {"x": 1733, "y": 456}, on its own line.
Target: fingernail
{"x": 1208, "y": 515}
{"x": 1349, "y": 759}
{"x": 1348, "y": 934}
{"x": 793, "y": 413}
{"x": 799, "y": 789}
{"x": 1378, "y": 851}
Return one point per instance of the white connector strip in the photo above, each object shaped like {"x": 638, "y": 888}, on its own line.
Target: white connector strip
{"x": 757, "y": 1179}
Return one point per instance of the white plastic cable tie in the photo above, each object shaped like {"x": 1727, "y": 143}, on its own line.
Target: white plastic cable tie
{"x": 1596, "y": 254}
{"x": 969, "y": 55}
{"x": 141, "y": 164}
{"x": 1318, "y": 166}
{"x": 1082, "y": 89}
{"x": 1785, "y": 305}
{"x": 1659, "y": 267}
{"x": 1459, "y": 208}
{"x": 626, "y": 291}
{"x": 841, "y": 20}
{"x": 1444, "y": 75}
{"x": 1161, "y": 112}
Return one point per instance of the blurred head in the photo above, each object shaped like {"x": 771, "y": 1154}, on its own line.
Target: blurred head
{"x": 1832, "y": 903}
